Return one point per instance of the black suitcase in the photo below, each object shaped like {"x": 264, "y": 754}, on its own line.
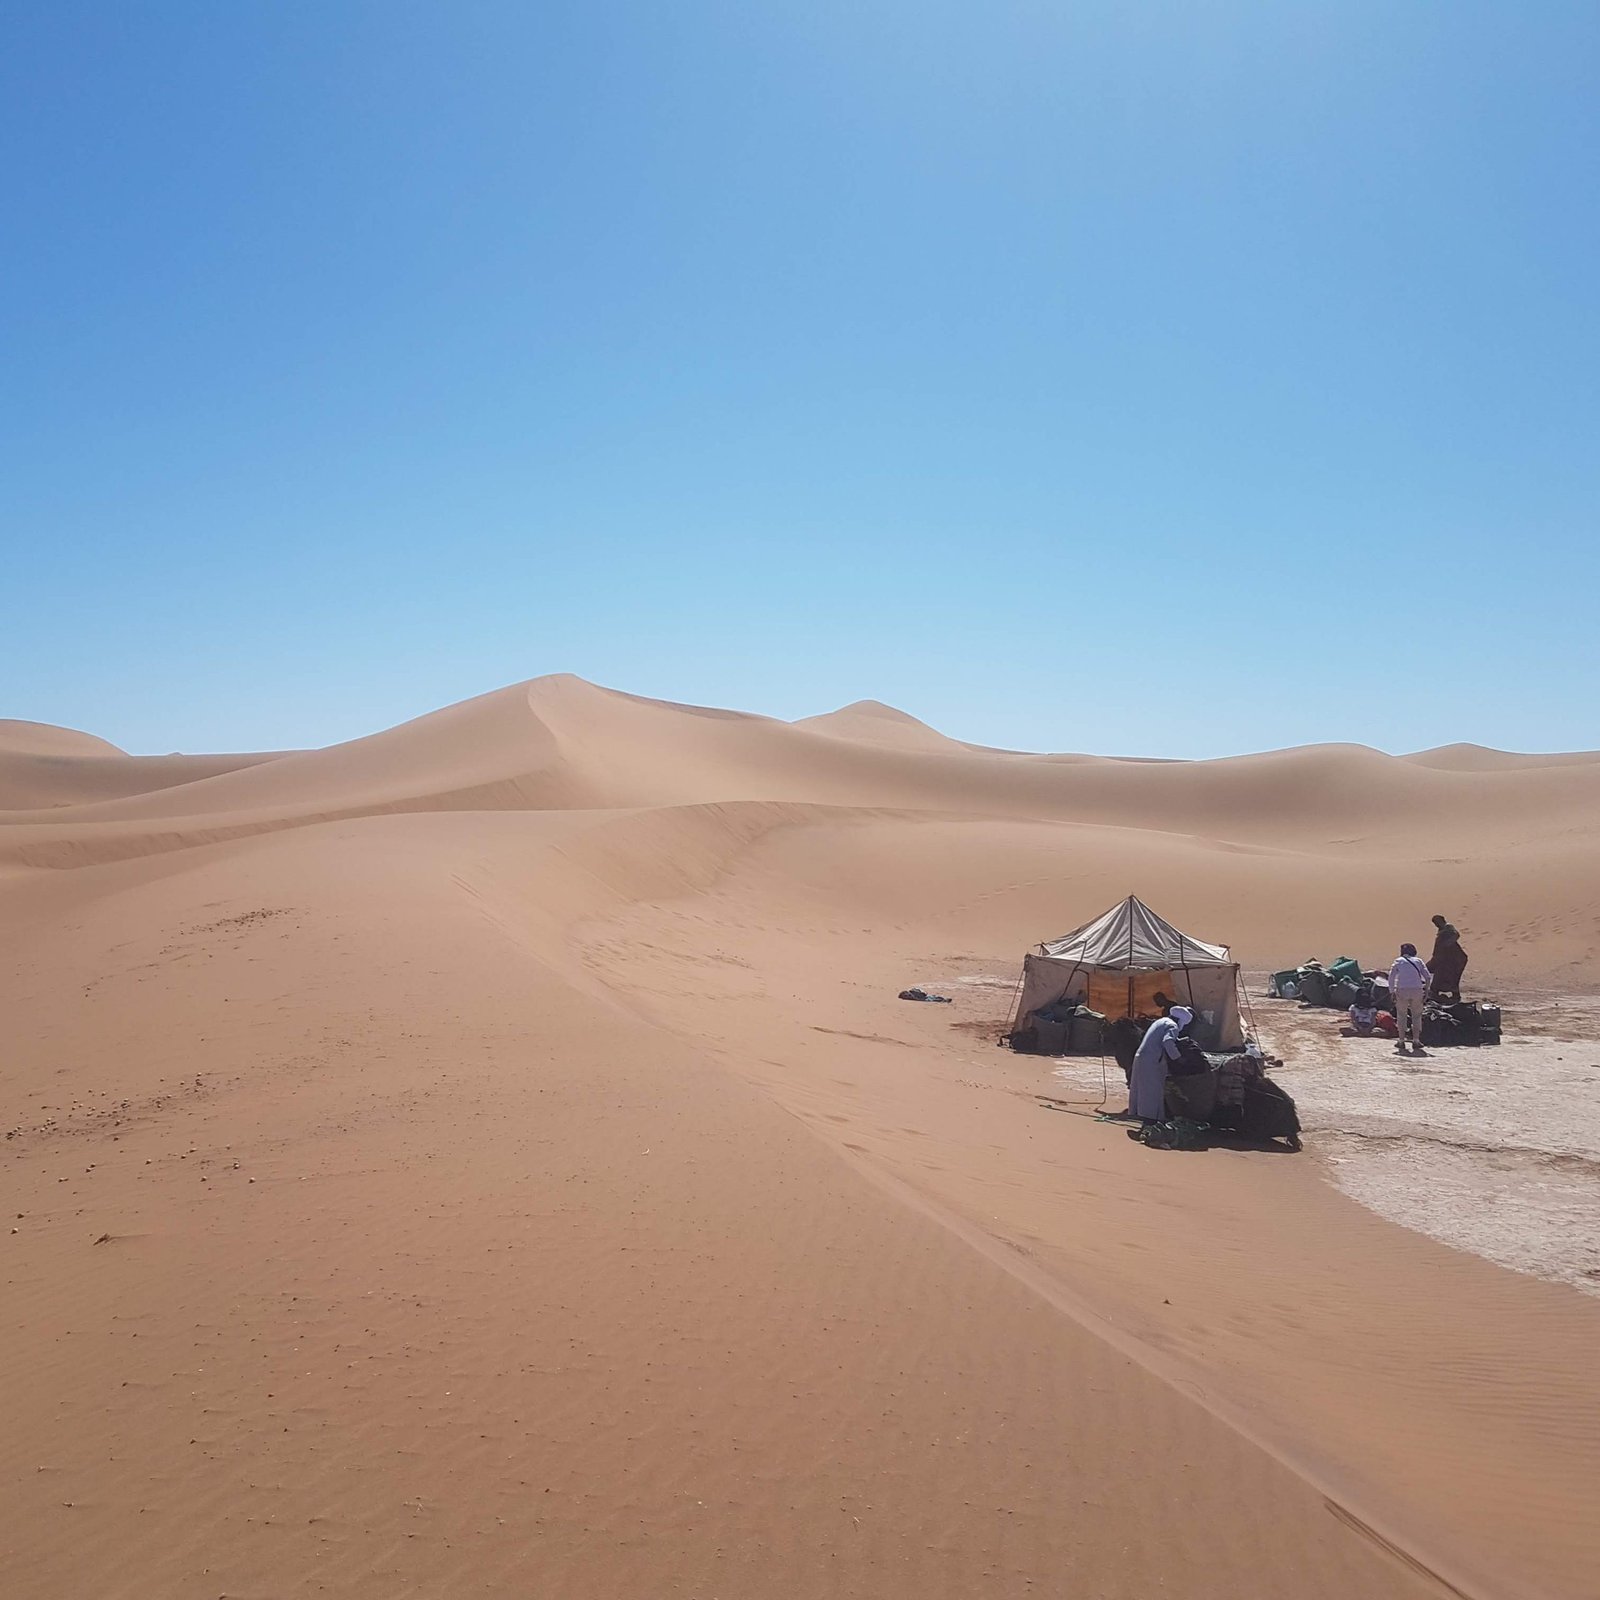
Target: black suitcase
{"x": 1476, "y": 1023}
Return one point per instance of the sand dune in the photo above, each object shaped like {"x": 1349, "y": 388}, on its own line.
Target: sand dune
{"x": 559, "y": 743}
{"x": 34, "y": 782}
{"x": 488, "y": 1158}
{"x": 1476, "y": 758}
{"x": 45, "y": 739}
{"x": 44, "y": 768}
{"x": 872, "y": 722}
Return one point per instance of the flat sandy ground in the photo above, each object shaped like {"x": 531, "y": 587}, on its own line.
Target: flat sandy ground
{"x": 490, "y": 1159}
{"x": 1496, "y": 1151}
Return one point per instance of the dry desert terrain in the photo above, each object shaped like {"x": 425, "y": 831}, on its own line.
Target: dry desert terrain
{"x": 489, "y": 1159}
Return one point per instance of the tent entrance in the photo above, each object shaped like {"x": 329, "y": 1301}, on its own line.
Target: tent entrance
{"x": 1132, "y": 994}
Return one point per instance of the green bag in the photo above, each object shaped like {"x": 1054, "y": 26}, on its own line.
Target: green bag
{"x": 1178, "y": 1134}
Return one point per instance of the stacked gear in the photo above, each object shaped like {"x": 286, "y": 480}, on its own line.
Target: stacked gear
{"x": 1337, "y": 985}
{"x": 1063, "y": 1028}
{"x": 1342, "y": 984}
{"x": 1231, "y": 1095}
{"x": 1468, "y": 1022}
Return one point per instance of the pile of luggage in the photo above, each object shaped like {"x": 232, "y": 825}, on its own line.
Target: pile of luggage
{"x": 1062, "y": 1028}
{"x": 1337, "y": 985}
{"x": 1229, "y": 1094}
{"x": 1340, "y": 984}
{"x": 1464, "y": 1022}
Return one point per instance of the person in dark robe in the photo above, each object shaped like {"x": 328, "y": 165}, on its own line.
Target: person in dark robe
{"x": 1165, "y": 1005}
{"x": 1447, "y": 963}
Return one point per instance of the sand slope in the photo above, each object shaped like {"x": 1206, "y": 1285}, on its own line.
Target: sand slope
{"x": 45, "y": 739}
{"x": 1475, "y": 758}
{"x": 38, "y": 783}
{"x": 872, "y": 722}
{"x": 488, "y": 1158}
{"x": 559, "y": 743}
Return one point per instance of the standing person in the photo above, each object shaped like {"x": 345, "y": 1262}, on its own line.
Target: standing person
{"x": 1147, "y": 1083}
{"x": 1408, "y": 988}
{"x": 1447, "y": 962}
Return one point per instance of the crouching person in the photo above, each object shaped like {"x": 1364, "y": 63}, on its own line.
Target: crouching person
{"x": 1147, "y": 1085}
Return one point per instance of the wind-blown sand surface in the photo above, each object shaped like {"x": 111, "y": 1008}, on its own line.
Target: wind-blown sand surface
{"x": 489, "y": 1158}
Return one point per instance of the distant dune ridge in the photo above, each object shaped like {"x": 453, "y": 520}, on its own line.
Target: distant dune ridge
{"x": 1475, "y": 758}
{"x": 44, "y": 739}
{"x": 488, "y": 1157}
{"x": 561, "y": 744}
{"x": 45, "y": 768}
{"x": 872, "y": 722}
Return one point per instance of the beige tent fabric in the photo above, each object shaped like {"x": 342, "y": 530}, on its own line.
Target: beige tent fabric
{"x": 1118, "y": 963}
{"x": 1210, "y": 992}
{"x": 1130, "y": 934}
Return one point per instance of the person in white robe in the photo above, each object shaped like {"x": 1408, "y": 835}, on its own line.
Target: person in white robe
{"x": 1147, "y": 1087}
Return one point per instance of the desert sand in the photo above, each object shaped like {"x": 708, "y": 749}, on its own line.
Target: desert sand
{"x": 489, "y": 1158}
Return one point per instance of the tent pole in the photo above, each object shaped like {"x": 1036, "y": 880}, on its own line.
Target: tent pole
{"x": 1240, "y": 987}
{"x": 1016, "y": 1000}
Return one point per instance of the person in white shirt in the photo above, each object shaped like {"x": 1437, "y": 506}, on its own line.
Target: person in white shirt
{"x": 1364, "y": 1013}
{"x": 1408, "y": 985}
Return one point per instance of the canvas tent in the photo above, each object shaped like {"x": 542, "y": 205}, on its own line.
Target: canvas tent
{"x": 1118, "y": 963}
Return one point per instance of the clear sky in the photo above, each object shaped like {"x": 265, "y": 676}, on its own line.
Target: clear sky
{"x": 1158, "y": 378}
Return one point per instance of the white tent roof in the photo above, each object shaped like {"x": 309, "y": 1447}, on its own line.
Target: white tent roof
{"x": 1131, "y": 935}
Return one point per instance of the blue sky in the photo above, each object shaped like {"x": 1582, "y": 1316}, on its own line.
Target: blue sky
{"x": 1154, "y": 378}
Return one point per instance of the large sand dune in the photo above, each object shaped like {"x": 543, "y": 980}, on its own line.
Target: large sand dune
{"x": 45, "y": 739}
{"x": 488, "y": 1158}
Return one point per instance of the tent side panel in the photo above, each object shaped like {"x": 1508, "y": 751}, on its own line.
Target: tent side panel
{"x": 1044, "y": 980}
{"x": 1212, "y": 994}
{"x": 1231, "y": 1028}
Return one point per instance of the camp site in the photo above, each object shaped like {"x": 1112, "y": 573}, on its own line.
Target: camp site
{"x": 1101, "y": 989}
{"x": 798, "y": 801}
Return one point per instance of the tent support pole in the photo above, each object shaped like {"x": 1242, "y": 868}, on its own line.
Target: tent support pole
{"x": 1016, "y": 1000}
{"x": 1242, "y": 988}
